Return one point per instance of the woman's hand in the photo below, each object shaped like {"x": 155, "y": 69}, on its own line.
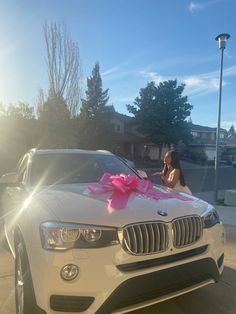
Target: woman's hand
{"x": 158, "y": 173}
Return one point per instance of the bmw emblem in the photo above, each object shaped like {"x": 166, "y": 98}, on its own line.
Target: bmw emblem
{"x": 162, "y": 213}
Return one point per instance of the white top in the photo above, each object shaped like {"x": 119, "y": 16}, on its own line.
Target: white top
{"x": 178, "y": 187}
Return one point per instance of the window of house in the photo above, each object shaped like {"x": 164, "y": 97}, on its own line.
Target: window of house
{"x": 222, "y": 136}
{"x": 194, "y": 134}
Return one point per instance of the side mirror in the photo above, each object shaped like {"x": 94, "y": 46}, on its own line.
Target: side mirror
{"x": 9, "y": 178}
{"x": 142, "y": 174}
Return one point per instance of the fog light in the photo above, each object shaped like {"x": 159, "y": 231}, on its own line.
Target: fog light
{"x": 69, "y": 272}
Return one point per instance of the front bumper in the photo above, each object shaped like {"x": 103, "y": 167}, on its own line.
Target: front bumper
{"x": 111, "y": 280}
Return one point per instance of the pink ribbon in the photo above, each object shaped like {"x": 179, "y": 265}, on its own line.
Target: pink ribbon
{"x": 123, "y": 185}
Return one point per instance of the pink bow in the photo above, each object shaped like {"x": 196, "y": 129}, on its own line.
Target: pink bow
{"x": 123, "y": 185}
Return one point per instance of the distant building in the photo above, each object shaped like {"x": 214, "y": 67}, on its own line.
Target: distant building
{"x": 130, "y": 143}
{"x": 204, "y": 140}
{"x": 230, "y": 149}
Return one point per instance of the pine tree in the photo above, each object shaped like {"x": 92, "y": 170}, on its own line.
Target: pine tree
{"x": 231, "y": 132}
{"x": 95, "y": 129}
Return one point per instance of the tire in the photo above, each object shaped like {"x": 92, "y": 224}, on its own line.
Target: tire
{"x": 24, "y": 290}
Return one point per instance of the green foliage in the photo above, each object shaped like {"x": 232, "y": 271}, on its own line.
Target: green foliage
{"x": 18, "y": 111}
{"x": 161, "y": 113}
{"x": 231, "y": 132}
{"x": 17, "y": 133}
{"x": 198, "y": 157}
{"x": 55, "y": 125}
{"x": 95, "y": 129}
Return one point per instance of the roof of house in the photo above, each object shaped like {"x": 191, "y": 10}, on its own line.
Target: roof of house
{"x": 202, "y": 128}
{"x": 231, "y": 141}
{"x": 123, "y": 117}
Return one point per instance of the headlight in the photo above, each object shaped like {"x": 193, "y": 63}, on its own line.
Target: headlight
{"x": 63, "y": 236}
{"x": 210, "y": 217}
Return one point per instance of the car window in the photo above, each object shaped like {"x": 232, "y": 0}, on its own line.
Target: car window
{"x": 50, "y": 169}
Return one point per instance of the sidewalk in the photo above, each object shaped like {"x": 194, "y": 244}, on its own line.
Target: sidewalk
{"x": 227, "y": 213}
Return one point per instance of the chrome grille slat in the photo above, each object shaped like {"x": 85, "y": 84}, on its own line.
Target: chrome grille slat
{"x": 164, "y": 236}
{"x": 140, "y": 235}
{"x": 157, "y": 237}
{"x": 146, "y": 238}
{"x": 127, "y": 238}
{"x": 194, "y": 228}
{"x": 186, "y": 231}
{"x": 135, "y": 244}
{"x": 178, "y": 234}
{"x": 152, "y": 238}
{"x": 146, "y": 250}
{"x": 182, "y": 226}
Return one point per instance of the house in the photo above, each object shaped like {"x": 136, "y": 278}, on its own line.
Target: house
{"x": 204, "y": 140}
{"x": 129, "y": 142}
{"x": 230, "y": 149}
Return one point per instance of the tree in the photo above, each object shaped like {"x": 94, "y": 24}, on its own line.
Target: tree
{"x": 161, "y": 112}
{"x": 63, "y": 66}
{"x": 55, "y": 125}
{"x": 20, "y": 111}
{"x": 95, "y": 129}
{"x": 17, "y": 133}
{"x": 58, "y": 107}
{"x": 231, "y": 132}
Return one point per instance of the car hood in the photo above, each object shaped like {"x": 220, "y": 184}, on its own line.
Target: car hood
{"x": 73, "y": 203}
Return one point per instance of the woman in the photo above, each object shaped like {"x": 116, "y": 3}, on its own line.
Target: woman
{"x": 172, "y": 175}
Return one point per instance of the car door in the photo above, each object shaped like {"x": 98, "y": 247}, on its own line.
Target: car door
{"x": 14, "y": 197}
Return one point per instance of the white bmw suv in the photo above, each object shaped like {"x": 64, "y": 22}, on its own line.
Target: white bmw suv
{"x": 73, "y": 254}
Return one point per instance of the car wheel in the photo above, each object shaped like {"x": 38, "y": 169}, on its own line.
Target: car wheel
{"x": 24, "y": 291}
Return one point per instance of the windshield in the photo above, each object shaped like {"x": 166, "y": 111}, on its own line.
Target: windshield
{"x": 48, "y": 169}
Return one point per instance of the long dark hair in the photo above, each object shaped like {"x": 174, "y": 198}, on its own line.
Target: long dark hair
{"x": 175, "y": 163}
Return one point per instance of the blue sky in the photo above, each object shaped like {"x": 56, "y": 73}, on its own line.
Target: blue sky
{"x": 134, "y": 41}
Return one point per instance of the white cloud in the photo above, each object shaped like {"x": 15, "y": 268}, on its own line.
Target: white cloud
{"x": 196, "y": 85}
{"x": 110, "y": 71}
{"x": 201, "y": 84}
{"x": 124, "y": 99}
{"x": 227, "y": 124}
{"x": 195, "y": 6}
{"x": 199, "y": 6}
{"x": 117, "y": 71}
{"x": 153, "y": 76}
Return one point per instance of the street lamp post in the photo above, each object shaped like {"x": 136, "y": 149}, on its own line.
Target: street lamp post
{"x": 222, "y": 39}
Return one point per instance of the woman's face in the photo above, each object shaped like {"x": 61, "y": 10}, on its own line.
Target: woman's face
{"x": 167, "y": 159}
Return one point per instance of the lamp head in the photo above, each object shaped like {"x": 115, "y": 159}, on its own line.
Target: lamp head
{"x": 222, "y": 39}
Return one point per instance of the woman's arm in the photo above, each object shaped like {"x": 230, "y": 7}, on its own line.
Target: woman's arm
{"x": 158, "y": 173}
{"x": 171, "y": 182}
